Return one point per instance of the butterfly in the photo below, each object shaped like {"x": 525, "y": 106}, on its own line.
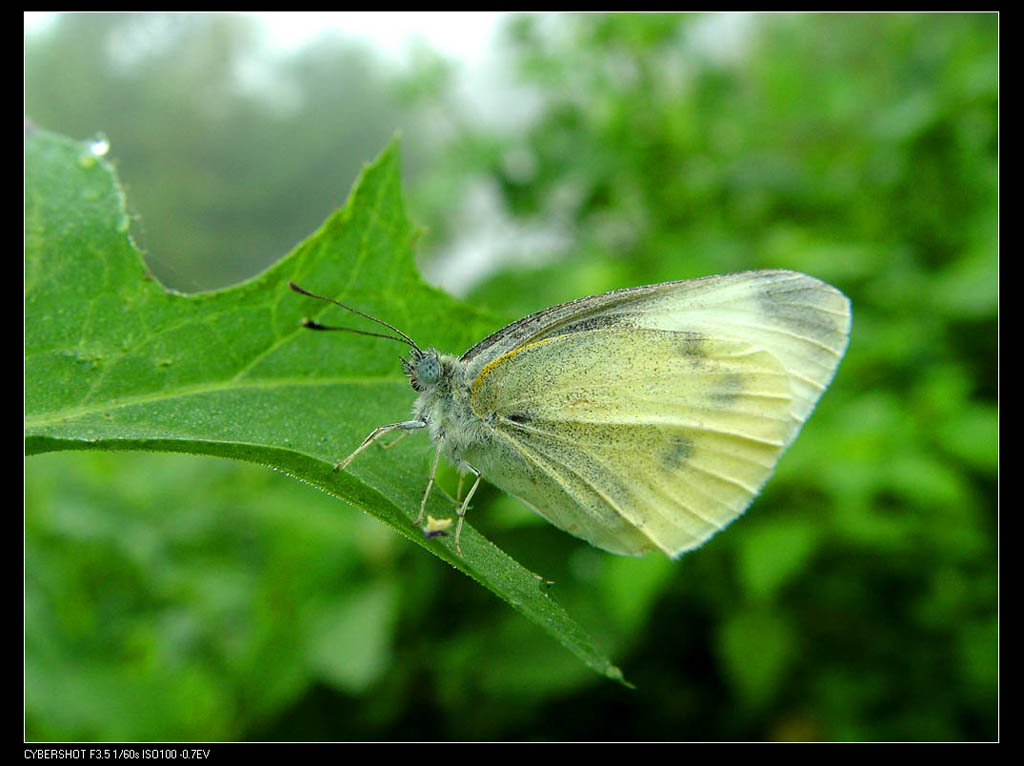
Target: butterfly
{"x": 643, "y": 419}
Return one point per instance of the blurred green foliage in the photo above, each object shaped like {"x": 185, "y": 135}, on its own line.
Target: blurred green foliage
{"x": 231, "y": 154}
{"x": 173, "y": 597}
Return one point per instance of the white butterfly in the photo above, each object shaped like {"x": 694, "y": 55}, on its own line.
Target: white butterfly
{"x": 641, "y": 419}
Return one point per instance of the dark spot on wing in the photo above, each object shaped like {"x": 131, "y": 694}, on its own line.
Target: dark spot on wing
{"x": 794, "y": 305}
{"x": 679, "y": 451}
{"x": 691, "y": 347}
{"x": 727, "y": 388}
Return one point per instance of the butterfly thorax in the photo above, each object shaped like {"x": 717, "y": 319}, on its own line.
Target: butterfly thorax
{"x": 443, "y": 403}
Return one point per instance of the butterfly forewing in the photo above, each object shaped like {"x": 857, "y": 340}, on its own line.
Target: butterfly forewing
{"x": 802, "y": 321}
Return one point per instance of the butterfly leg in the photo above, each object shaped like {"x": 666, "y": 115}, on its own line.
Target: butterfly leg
{"x": 398, "y": 438}
{"x": 462, "y": 509}
{"x": 430, "y": 483}
{"x": 453, "y": 500}
{"x": 458, "y": 492}
{"x": 378, "y": 432}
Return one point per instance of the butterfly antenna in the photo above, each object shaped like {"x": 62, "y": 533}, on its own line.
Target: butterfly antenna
{"x": 312, "y": 325}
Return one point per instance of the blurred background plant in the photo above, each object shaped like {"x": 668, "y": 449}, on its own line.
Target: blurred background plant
{"x": 170, "y": 597}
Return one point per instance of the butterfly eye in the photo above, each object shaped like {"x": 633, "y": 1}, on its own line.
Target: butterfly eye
{"x": 428, "y": 370}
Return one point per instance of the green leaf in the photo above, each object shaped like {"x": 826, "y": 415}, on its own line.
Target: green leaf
{"x": 114, "y": 361}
